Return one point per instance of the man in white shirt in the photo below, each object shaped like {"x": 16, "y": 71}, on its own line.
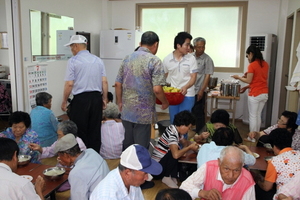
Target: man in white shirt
{"x": 14, "y": 186}
{"x": 224, "y": 178}
{"x": 124, "y": 182}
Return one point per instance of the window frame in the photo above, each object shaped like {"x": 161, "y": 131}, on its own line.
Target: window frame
{"x": 243, "y": 6}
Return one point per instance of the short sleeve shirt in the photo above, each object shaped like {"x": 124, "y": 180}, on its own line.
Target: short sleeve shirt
{"x": 283, "y": 167}
{"x": 259, "y": 83}
{"x": 138, "y": 74}
{"x": 170, "y": 136}
{"x": 205, "y": 65}
{"x": 179, "y": 72}
{"x": 86, "y": 70}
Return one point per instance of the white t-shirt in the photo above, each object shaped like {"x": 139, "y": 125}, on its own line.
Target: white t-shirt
{"x": 179, "y": 72}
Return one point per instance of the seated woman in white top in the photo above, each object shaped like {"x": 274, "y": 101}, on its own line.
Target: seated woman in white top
{"x": 222, "y": 137}
{"x": 112, "y": 133}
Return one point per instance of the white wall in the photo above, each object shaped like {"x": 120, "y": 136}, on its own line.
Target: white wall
{"x": 263, "y": 17}
{"x": 86, "y": 14}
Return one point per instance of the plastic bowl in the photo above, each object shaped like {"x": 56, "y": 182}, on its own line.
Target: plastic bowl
{"x": 23, "y": 159}
{"x": 174, "y": 98}
{"x": 54, "y": 173}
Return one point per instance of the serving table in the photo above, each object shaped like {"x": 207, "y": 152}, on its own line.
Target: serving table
{"x": 225, "y": 100}
{"x": 35, "y": 170}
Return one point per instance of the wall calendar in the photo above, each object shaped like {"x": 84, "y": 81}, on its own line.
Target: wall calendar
{"x": 37, "y": 82}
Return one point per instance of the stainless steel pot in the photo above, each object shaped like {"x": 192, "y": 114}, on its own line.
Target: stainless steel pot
{"x": 235, "y": 90}
{"x": 213, "y": 81}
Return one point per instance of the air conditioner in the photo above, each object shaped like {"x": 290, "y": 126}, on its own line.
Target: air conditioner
{"x": 268, "y": 46}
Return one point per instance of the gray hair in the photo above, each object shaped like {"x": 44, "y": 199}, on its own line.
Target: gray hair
{"x": 42, "y": 98}
{"x": 111, "y": 111}
{"x": 232, "y": 150}
{"x": 199, "y": 39}
{"x": 68, "y": 127}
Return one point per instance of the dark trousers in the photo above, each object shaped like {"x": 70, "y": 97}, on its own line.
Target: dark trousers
{"x": 86, "y": 112}
{"x": 263, "y": 140}
{"x": 198, "y": 111}
{"x": 136, "y": 134}
{"x": 260, "y": 194}
{"x": 169, "y": 165}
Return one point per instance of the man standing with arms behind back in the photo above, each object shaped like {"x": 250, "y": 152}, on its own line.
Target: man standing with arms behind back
{"x": 205, "y": 68}
{"x": 138, "y": 82}
{"x": 86, "y": 79}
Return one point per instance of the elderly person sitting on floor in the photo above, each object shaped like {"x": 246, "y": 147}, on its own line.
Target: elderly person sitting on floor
{"x": 89, "y": 167}
{"x": 112, "y": 133}
{"x": 43, "y": 121}
{"x": 224, "y": 178}
{"x": 21, "y": 132}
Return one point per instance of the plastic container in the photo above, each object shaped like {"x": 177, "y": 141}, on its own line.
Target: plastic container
{"x": 174, "y": 98}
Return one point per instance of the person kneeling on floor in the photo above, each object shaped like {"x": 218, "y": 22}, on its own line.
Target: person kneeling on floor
{"x": 167, "y": 151}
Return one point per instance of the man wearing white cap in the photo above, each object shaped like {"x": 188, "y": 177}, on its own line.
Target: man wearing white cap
{"x": 86, "y": 79}
{"x": 89, "y": 167}
{"x": 124, "y": 182}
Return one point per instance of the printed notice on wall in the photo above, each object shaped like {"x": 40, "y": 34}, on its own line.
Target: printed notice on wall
{"x": 37, "y": 82}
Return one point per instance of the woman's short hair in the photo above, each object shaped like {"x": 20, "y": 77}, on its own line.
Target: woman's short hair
{"x": 281, "y": 138}
{"x": 111, "y": 111}
{"x": 223, "y": 136}
{"x": 220, "y": 116}
{"x": 68, "y": 127}
{"x": 42, "y": 98}
{"x": 172, "y": 194}
{"x": 292, "y": 118}
{"x": 184, "y": 118}
{"x": 19, "y": 116}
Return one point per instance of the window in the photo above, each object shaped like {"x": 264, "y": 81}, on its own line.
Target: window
{"x": 223, "y": 25}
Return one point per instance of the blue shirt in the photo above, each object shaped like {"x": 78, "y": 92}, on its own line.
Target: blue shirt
{"x": 112, "y": 188}
{"x": 89, "y": 169}
{"x": 139, "y": 73}
{"x": 86, "y": 70}
{"x": 210, "y": 151}
{"x": 44, "y": 123}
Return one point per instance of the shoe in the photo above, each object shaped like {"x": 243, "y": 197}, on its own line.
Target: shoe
{"x": 147, "y": 185}
{"x": 169, "y": 182}
{"x": 174, "y": 180}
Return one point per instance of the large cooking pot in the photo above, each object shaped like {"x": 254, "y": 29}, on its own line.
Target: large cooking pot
{"x": 213, "y": 81}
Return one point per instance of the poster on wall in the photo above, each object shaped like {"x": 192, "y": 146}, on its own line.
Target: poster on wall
{"x": 37, "y": 82}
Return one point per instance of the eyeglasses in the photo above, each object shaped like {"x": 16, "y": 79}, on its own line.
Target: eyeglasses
{"x": 281, "y": 122}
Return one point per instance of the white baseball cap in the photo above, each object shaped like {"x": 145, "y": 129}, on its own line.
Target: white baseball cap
{"x": 77, "y": 39}
{"x": 137, "y": 157}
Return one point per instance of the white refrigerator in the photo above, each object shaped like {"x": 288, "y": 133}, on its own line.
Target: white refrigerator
{"x": 114, "y": 46}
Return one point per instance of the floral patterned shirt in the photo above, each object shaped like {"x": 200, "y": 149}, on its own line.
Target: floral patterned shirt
{"x": 138, "y": 74}
{"x": 28, "y": 137}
